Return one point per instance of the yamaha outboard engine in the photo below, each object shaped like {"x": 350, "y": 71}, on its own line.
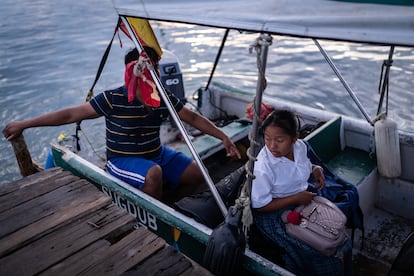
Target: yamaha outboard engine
{"x": 171, "y": 76}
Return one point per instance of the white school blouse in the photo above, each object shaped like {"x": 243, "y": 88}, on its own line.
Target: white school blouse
{"x": 278, "y": 177}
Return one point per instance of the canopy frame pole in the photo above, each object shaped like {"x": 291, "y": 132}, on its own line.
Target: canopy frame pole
{"x": 177, "y": 120}
{"x": 384, "y": 81}
{"x": 343, "y": 81}
{"x": 223, "y": 41}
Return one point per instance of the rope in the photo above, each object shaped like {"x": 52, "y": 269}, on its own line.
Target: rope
{"x": 97, "y": 76}
{"x": 258, "y": 48}
{"x": 103, "y": 159}
{"x": 244, "y": 202}
{"x": 103, "y": 61}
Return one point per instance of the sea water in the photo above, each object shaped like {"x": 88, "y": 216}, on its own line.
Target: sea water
{"x": 50, "y": 52}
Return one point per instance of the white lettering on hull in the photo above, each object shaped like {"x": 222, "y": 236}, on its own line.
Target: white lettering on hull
{"x": 143, "y": 217}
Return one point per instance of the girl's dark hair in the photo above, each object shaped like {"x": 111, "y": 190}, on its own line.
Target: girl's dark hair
{"x": 284, "y": 119}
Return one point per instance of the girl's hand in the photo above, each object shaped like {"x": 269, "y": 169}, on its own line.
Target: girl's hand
{"x": 304, "y": 198}
{"x": 319, "y": 177}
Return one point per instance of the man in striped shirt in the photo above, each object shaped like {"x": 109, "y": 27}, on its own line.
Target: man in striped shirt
{"x": 134, "y": 150}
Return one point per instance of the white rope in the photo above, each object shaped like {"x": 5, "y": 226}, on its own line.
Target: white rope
{"x": 243, "y": 203}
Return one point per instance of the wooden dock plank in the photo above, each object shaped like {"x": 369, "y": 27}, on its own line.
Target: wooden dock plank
{"x": 60, "y": 224}
{"x": 35, "y": 186}
{"x": 82, "y": 260}
{"x": 57, "y": 245}
{"x": 167, "y": 262}
{"x": 125, "y": 254}
{"x": 31, "y": 179}
{"x": 38, "y": 207}
{"x": 34, "y": 218}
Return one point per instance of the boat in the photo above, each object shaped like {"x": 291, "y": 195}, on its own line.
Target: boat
{"x": 382, "y": 173}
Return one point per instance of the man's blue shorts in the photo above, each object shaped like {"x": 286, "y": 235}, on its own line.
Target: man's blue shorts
{"x": 133, "y": 170}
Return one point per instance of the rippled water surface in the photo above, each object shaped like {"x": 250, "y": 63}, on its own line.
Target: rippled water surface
{"x": 50, "y": 51}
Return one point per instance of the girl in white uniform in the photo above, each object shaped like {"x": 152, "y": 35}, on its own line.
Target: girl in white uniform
{"x": 281, "y": 174}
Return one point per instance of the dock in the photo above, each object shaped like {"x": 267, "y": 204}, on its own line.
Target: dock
{"x": 55, "y": 223}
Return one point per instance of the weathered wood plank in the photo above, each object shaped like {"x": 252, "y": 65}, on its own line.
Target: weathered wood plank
{"x": 42, "y": 215}
{"x": 54, "y": 223}
{"x": 64, "y": 242}
{"x": 43, "y": 206}
{"x": 80, "y": 261}
{"x": 123, "y": 255}
{"x": 24, "y": 190}
{"x": 23, "y": 157}
{"x": 196, "y": 269}
{"x": 30, "y": 180}
{"x": 166, "y": 262}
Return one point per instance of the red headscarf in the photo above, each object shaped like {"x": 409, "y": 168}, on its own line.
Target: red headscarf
{"x": 137, "y": 73}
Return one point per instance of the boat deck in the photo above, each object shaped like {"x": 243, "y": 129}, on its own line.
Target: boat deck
{"x": 54, "y": 223}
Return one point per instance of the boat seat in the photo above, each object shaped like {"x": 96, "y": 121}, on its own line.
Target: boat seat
{"x": 351, "y": 164}
{"x": 207, "y": 145}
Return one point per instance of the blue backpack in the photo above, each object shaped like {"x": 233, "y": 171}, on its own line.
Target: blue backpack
{"x": 339, "y": 191}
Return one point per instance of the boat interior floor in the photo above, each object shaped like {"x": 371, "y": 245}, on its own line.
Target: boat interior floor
{"x": 385, "y": 234}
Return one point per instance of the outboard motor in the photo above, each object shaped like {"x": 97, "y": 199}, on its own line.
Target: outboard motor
{"x": 171, "y": 76}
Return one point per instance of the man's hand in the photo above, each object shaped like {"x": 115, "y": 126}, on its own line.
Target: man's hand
{"x": 12, "y": 130}
{"x": 231, "y": 148}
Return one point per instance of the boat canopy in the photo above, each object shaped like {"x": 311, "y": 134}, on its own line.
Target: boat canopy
{"x": 385, "y": 24}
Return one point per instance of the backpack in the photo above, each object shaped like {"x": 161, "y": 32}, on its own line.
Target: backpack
{"x": 341, "y": 192}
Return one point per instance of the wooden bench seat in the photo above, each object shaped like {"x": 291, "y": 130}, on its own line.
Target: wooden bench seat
{"x": 351, "y": 164}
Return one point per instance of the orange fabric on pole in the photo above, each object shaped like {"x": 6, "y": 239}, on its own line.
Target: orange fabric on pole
{"x": 144, "y": 32}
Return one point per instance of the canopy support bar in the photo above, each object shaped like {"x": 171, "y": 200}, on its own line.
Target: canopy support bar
{"x": 343, "y": 81}
{"x": 384, "y": 81}
{"x": 223, "y": 41}
{"x": 180, "y": 125}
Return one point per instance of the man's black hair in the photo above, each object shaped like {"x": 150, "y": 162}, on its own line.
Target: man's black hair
{"x": 133, "y": 55}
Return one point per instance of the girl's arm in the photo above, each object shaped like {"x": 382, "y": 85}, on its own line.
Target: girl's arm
{"x": 301, "y": 198}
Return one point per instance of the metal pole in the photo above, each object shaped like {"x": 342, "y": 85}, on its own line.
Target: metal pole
{"x": 388, "y": 64}
{"x": 180, "y": 125}
{"x": 217, "y": 58}
{"x": 343, "y": 81}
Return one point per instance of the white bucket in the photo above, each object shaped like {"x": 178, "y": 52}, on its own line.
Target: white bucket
{"x": 387, "y": 146}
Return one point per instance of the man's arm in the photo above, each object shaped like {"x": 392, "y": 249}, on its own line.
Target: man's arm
{"x": 55, "y": 118}
{"x": 207, "y": 127}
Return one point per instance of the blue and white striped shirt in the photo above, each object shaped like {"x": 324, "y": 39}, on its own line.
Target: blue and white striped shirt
{"x": 131, "y": 128}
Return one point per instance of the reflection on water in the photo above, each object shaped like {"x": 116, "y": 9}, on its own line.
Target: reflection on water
{"x": 49, "y": 54}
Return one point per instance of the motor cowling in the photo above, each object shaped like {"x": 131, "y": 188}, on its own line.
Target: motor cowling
{"x": 171, "y": 76}
{"x": 387, "y": 145}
